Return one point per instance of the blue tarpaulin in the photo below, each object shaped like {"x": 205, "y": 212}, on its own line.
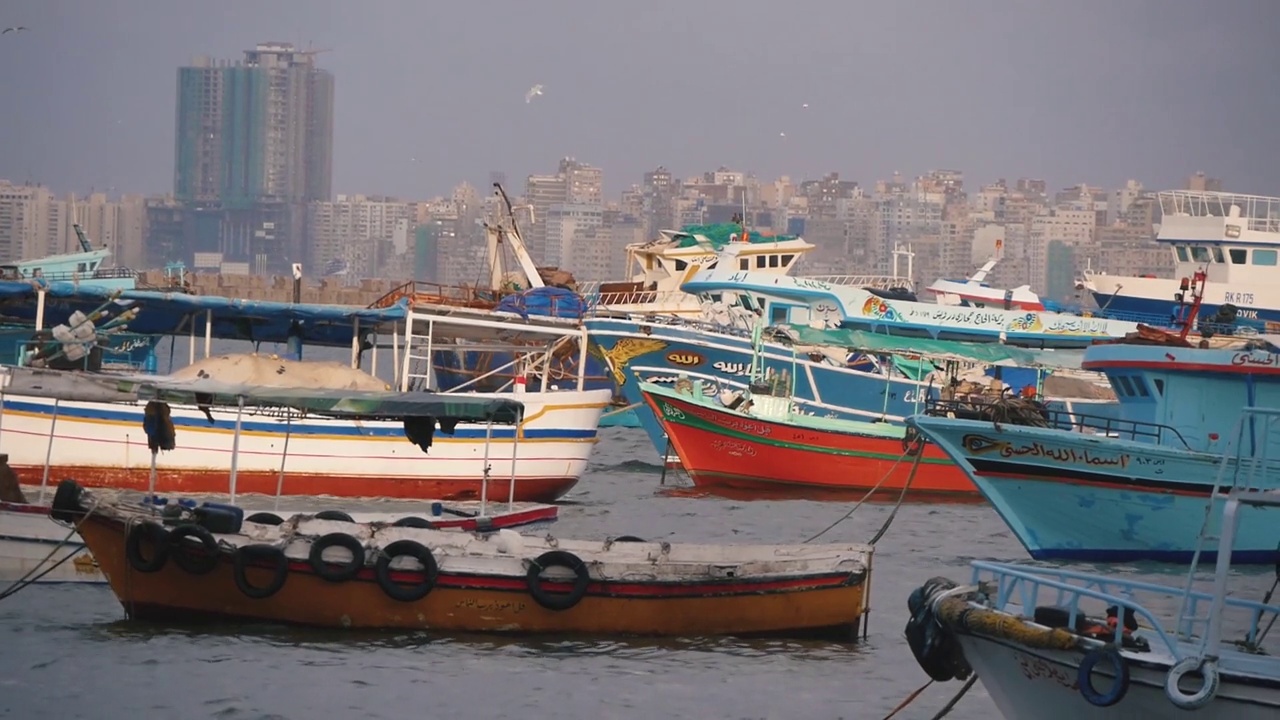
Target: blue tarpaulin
{"x": 544, "y": 302}
{"x": 166, "y": 313}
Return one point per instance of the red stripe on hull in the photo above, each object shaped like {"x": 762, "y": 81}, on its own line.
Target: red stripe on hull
{"x": 358, "y": 486}
{"x": 712, "y": 458}
{"x": 1078, "y": 482}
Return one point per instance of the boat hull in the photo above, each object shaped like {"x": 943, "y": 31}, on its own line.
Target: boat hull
{"x": 830, "y": 603}
{"x": 30, "y": 540}
{"x": 103, "y": 445}
{"x": 1072, "y": 496}
{"x": 723, "y": 448}
{"x": 1037, "y": 683}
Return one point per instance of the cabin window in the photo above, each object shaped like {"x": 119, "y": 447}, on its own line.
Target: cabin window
{"x": 1159, "y": 386}
{"x": 1140, "y": 386}
{"x": 1264, "y": 257}
{"x": 711, "y": 265}
{"x": 1124, "y": 387}
{"x": 1199, "y": 253}
{"x": 744, "y": 264}
{"x": 773, "y": 261}
{"x": 760, "y": 261}
{"x": 1217, "y": 254}
{"x": 778, "y": 315}
{"x": 81, "y": 267}
{"x": 1239, "y": 256}
{"x": 1182, "y": 253}
{"x": 786, "y": 260}
{"x": 681, "y": 265}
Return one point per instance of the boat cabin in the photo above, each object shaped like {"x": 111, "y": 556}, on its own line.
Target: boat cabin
{"x": 1234, "y": 238}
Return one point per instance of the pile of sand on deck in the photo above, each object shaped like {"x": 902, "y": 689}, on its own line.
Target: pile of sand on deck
{"x": 272, "y": 371}
{"x": 1065, "y": 386}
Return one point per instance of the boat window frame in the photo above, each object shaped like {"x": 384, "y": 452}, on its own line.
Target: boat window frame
{"x": 1217, "y": 254}
{"x": 1239, "y": 256}
{"x": 1181, "y": 252}
{"x": 1200, "y": 253}
{"x": 1265, "y": 252}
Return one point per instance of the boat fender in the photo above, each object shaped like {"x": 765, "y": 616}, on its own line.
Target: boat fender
{"x": 265, "y": 518}
{"x": 628, "y": 538}
{"x": 156, "y": 535}
{"x": 333, "y": 515}
{"x": 912, "y": 442}
{"x": 246, "y": 554}
{"x": 1208, "y": 670}
{"x": 1119, "y": 668}
{"x": 196, "y": 564}
{"x": 413, "y": 521}
{"x": 158, "y": 426}
{"x": 335, "y": 572}
{"x": 557, "y": 558}
{"x": 936, "y": 650}
{"x": 66, "y": 501}
{"x": 398, "y": 591}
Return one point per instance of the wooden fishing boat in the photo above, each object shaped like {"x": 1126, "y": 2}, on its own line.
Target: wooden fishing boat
{"x": 333, "y": 573}
{"x": 759, "y": 442}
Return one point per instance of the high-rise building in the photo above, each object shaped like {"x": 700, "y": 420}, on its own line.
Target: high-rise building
{"x": 254, "y": 145}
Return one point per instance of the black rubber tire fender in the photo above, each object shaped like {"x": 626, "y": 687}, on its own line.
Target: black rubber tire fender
{"x": 413, "y": 521}
{"x": 557, "y": 558}
{"x": 246, "y": 554}
{"x": 333, "y": 515}
{"x": 66, "y": 501}
{"x": 157, "y": 536}
{"x": 332, "y": 572}
{"x": 196, "y": 564}
{"x": 397, "y": 591}
{"x": 265, "y": 518}
{"x": 629, "y": 539}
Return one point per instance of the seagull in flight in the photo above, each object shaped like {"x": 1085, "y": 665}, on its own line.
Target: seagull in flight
{"x": 535, "y": 90}
{"x": 19, "y": 28}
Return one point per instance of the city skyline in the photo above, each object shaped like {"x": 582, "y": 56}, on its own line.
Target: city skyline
{"x": 1111, "y": 93}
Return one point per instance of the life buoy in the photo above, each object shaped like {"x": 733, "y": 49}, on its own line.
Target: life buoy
{"x": 333, "y": 572}
{"x": 1208, "y": 670}
{"x": 156, "y": 535}
{"x": 413, "y": 521}
{"x": 265, "y": 518}
{"x": 333, "y": 515}
{"x": 557, "y": 558}
{"x": 1119, "y": 686}
{"x": 200, "y": 563}
{"x": 246, "y": 554}
{"x": 397, "y": 591}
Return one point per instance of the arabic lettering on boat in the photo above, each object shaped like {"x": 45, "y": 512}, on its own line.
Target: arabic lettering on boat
{"x": 1250, "y": 358}
{"x": 1035, "y": 667}
{"x": 982, "y": 445}
{"x": 733, "y": 447}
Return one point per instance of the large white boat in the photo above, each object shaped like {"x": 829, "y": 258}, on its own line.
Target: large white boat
{"x": 1234, "y": 238}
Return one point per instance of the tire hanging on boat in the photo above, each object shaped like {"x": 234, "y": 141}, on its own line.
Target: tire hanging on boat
{"x": 557, "y": 558}
{"x": 1119, "y": 684}
{"x": 265, "y": 518}
{"x": 333, "y": 515}
{"x": 1210, "y": 679}
{"x": 246, "y": 554}
{"x": 195, "y": 563}
{"x": 398, "y": 591}
{"x": 413, "y": 521}
{"x": 331, "y": 571}
{"x": 66, "y": 501}
{"x": 156, "y": 535}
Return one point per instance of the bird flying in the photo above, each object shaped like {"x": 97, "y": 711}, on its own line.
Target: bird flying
{"x": 18, "y": 28}
{"x": 535, "y": 90}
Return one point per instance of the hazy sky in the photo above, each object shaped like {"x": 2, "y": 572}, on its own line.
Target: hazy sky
{"x": 431, "y": 92}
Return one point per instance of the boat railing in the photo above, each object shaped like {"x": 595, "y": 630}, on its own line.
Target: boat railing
{"x": 422, "y": 293}
{"x": 1030, "y": 588}
{"x": 879, "y": 282}
{"x": 73, "y": 276}
{"x": 662, "y": 300}
{"x": 1256, "y": 212}
{"x": 1018, "y": 411}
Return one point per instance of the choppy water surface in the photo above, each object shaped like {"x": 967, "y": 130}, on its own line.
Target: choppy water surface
{"x": 66, "y": 651}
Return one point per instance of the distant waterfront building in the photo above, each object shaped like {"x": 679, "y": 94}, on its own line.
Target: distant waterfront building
{"x": 254, "y": 145}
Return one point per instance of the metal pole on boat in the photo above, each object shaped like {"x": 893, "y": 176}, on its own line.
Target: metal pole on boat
{"x": 395, "y": 355}
{"x": 208, "y": 332}
{"x": 191, "y": 360}
{"x": 39, "y": 310}
{"x": 235, "y": 449}
{"x": 48, "y": 452}
{"x": 355, "y": 343}
{"x": 484, "y": 481}
{"x": 582, "y": 361}
{"x": 515, "y": 446}
{"x": 151, "y": 483}
{"x": 288, "y": 431}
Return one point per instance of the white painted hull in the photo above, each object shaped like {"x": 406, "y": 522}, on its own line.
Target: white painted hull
{"x": 26, "y": 540}
{"x": 103, "y": 445}
{"x": 1041, "y": 684}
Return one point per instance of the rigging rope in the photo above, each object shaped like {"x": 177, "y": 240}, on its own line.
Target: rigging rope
{"x": 27, "y": 580}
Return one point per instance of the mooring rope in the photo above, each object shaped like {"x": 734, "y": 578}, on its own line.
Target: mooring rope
{"x": 915, "y": 465}
{"x": 27, "y": 580}
{"x": 946, "y": 709}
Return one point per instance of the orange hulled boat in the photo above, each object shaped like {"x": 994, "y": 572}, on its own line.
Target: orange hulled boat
{"x": 207, "y": 562}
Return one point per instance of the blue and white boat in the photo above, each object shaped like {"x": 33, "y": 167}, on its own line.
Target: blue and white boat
{"x": 1136, "y": 488}
{"x": 782, "y": 299}
{"x": 1234, "y": 238}
{"x": 836, "y": 373}
{"x": 84, "y": 268}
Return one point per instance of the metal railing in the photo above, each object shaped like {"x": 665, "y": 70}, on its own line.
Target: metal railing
{"x": 982, "y": 408}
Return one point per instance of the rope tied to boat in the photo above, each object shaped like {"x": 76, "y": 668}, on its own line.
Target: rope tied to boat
{"x": 915, "y": 466}
{"x": 28, "y": 580}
